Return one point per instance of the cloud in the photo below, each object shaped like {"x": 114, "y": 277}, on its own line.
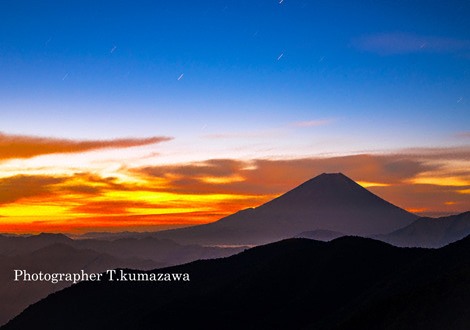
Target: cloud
{"x": 274, "y": 133}
{"x": 463, "y": 135}
{"x": 23, "y": 146}
{"x": 117, "y": 223}
{"x": 442, "y": 154}
{"x": 313, "y": 123}
{"x": 428, "y": 180}
{"x": 39, "y": 188}
{"x": 411, "y": 171}
{"x": 270, "y": 177}
{"x": 425, "y": 199}
{"x": 18, "y": 187}
{"x": 404, "y": 43}
{"x": 243, "y": 135}
{"x": 212, "y": 167}
{"x": 114, "y": 207}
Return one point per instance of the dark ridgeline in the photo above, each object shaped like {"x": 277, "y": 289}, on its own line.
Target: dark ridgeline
{"x": 430, "y": 233}
{"x": 348, "y": 283}
{"x": 58, "y": 253}
{"x": 328, "y": 202}
{"x": 320, "y": 235}
{"x": 56, "y": 257}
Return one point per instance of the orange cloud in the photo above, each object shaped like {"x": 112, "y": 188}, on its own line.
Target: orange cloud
{"x": 23, "y": 146}
{"x": 87, "y": 201}
{"x": 449, "y": 153}
{"x": 277, "y": 176}
{"x": 18, "y": 187}
{"x": 425, "y": 199}
{"x": 394, "y": 177}
{"x": 192, "y": 193}
{"x": 109, "y": 223}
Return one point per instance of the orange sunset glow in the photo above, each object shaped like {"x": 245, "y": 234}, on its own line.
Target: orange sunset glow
{"x": 60, "y": 186}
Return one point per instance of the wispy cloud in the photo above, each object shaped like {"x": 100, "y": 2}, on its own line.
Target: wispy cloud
{"x": 313, "y": 123}
{"x": 263, "y": 134}
{"x": 438, "y": 154}
{"x": 463, "y": 135}
{"x": 243, "y": 135}
{"x": 24, "y": 146}
{"x": 403, "y": 43}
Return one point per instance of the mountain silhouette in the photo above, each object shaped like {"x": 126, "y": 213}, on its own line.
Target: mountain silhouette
{"x": 160, "y": 250}
{"x": 15, "y": 245}
{"x": 430, "y": 232}
{"x": 57, "y": 257}
{"x": 348, "y": 283}
{"x": 56, "y": 252}
{"x": 327, "y": 202}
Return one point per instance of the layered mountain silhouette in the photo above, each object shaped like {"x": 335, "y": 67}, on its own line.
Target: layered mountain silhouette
{"x": 59, "y": 253}
{"x": 57, "y": 257}
{"x": 348, "y": 283}
{"x": 327, "y": 202}
{"x": 324, "y": 208}
{"x": 16, "y": 245}
{"x": 430, "y": 232}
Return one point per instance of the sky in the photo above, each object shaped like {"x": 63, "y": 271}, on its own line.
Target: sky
{"x": 146, "y": 115}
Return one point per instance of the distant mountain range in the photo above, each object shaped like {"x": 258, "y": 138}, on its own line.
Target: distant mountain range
{"x": 162, "y": 251}
{"x": 348, "y": 283}
{"x": 327, "y": 202}
{"x": 59, "y": 253}
{"x": 56, "y": 257}
{"x": 430, "y": 232}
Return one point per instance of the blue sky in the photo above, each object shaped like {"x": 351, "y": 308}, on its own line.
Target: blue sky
{"x": 381, "y": 74}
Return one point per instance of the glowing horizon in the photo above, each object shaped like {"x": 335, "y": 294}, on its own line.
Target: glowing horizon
{"x": 120, "y": 188}
{"x": 124, "y": 116}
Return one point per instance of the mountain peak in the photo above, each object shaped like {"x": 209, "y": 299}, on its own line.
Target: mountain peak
{"x": 333, "y": 201}
{"x": 329, "y": 201}
{"x": 331, "y": 175}
{"x": 328, "y": 189}
{"x": 331, "y": 178}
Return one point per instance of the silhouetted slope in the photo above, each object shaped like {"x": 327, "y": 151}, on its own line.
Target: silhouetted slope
{"x": 434, "y": 293}
{"x": 16, "y": 296}
{"x": 327, "y": 202}
{"x": 349, "y": 283}
{"x": 55, "y": 253}
{"x": 429, "y": 232}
